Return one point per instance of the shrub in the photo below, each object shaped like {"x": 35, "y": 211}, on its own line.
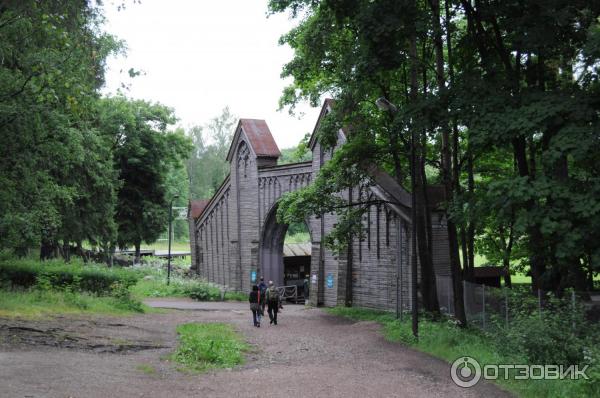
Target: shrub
{"x": 58, "y": 275}
{"x": 123, "y": 299}
{"x": 536, "y": 335}
{"x": 204, "y": 292}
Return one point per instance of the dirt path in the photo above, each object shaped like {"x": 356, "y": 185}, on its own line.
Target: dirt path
{"x": 310, "y": 353}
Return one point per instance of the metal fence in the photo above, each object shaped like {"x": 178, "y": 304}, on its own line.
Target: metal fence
{"x": 289, "y": 293}
{"x": 485, "y": 305}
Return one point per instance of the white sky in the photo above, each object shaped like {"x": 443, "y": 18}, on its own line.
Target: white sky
{"x": 200, "y": 56}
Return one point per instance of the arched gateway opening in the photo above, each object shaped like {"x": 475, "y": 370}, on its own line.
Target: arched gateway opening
{"x": 285, "y": 263}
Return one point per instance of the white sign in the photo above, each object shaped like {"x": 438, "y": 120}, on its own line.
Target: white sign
{"x": 180, "y": 213}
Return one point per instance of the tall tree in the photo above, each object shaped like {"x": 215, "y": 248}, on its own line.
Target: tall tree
{"x": 144, "y": 152}
{"x": 52, "y": 161}
{"x": 208, "y": 167}
{"x": 515, "y": 85}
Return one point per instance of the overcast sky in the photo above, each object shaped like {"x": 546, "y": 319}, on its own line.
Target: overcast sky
{"x": 199, "y": 56}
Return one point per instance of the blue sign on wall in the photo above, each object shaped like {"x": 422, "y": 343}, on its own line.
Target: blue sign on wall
{"x": 252, "y": 276}
{"x": 329, "y": 281}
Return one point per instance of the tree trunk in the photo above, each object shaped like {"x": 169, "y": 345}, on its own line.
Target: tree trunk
{"x": 428, "y": 284}
{"x": 136, "y": 259}
{"x": 66, "y": 251}
{"x": 506, "y": 265}
{"x": 590, "y": 272}
{"x": 447, "y": 167}
{"x": 414, "y": 87}
{"x": 46, "y": 250}
{"x": 81, "y": 252}
{"x": 471, "y": 227}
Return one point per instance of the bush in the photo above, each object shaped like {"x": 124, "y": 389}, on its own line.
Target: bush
{"x": 204, "y": 292}
{"x": 123, "y": 299}
{"x": 155, "y": 286}
{"x": 537, "y": 336}
{"x": 58, "y": 275}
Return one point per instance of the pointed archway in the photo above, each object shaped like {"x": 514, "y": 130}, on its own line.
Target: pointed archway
{"x": 272, "y": 242}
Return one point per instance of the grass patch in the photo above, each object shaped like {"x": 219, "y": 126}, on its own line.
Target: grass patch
{"x": 154, "y": 284}
{"x": 176, "y": 246}
{"x": 445, "y": 340}
{"x": 204, "y": 346}
{"x": 147, "y": 369}
{"x": 39, "y": 303}
{"x": 235, "y": 296}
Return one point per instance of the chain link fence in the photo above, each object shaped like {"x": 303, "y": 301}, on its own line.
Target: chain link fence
{"x": 487, "y": 306}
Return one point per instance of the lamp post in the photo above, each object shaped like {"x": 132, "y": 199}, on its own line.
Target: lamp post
{"x": 170, "y": 227}
{"x": 385, "y": 105}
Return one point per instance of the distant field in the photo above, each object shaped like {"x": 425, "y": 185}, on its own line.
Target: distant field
{"x": 164, "y": 245}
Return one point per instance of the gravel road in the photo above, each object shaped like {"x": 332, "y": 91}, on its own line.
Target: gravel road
{"x": 310, "y": 353}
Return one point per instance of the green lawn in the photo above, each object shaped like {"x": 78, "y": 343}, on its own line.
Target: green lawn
{"x": 37, "y": 303}
{"x": 180, "y": 246}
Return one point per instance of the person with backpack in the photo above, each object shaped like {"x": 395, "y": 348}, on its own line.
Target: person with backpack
{"x": 262, "y": 287}
{"x": 273, "y": 302}
{"x": 254, "y": 300}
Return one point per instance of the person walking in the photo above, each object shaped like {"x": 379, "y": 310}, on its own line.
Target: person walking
{"x": 273, "y": 302}
{"x": 254, "y": 300}
{"x": 262, "y": 288}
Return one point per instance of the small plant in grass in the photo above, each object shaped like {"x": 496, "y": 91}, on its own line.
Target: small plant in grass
{"x": 204, "y": 346}
{"x": 147, "y": 369}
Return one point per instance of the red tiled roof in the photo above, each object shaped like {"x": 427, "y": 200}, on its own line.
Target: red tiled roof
{"x": 197, "y": 207}
{"x": 260, "y": 138}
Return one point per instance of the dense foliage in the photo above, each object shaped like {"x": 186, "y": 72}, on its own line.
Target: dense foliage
{"x": 72, "y": 164}
{"x": 501, "y": 101}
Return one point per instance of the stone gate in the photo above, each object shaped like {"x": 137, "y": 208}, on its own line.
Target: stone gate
{"x": 235, "y": 237}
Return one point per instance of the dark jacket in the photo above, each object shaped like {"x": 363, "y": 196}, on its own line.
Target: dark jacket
{"x": 253, "y": 297}
{"x": 262, "y": 287}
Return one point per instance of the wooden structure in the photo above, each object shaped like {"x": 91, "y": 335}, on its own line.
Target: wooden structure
{"x": 235, "y": 237}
